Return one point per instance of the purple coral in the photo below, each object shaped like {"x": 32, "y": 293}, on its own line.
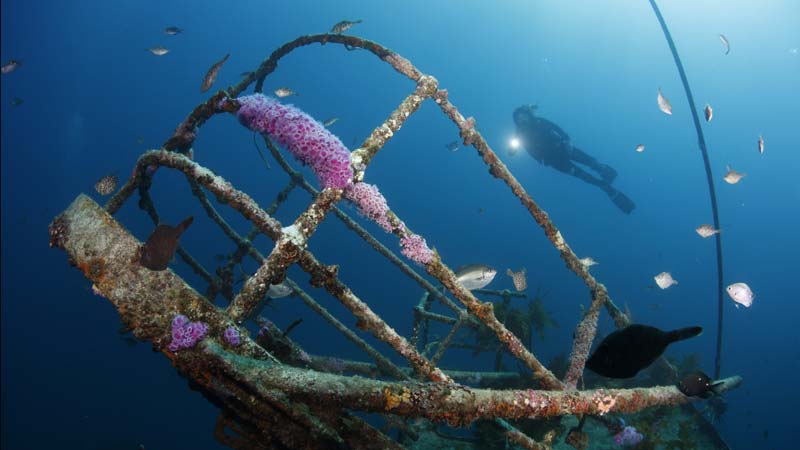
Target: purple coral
{"x": 370, "y": 202}
{"x": 185, "y": 334}
{"x": 628, "y": 437}
{"x": 416, "y": 249}
{"x": 305, "y": 138}
{"x": 232, "y": 336}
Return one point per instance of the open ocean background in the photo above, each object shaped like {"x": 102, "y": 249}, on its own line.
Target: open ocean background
{"x": 90, "y": 90}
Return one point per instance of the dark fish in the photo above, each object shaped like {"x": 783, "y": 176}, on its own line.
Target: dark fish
{"x": 623, "y": 353}
{"x": 211, "y": 75}
{"x": 157, "y": 252}
{"x": 10, "y": 66}
{"x": 106, "y": 185}
{"x": 343, "y": 26}
{"x": 452, "y": 146}
{"x": 698, "y": 384}
{"x": 172, "y": 31}
{"x": 16, "y": 101}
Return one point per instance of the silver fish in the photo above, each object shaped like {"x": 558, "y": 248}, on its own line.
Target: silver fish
{"x": 10, "y": 66}
{"x": 640, "y": 148}
{"x": 211, "y": 75}
{"x": 158, "y": 50}
{"x": 725, "y": 43}
{"x": 706, "y": 230}
{"x": 760, "y": 145}
{"x": 733, "y": 177}
{"x": 741, "y": 294}
{"x": 172, "y": 31}
{"x": 663, "y": 103}
{"x": 279, "y": 290}
{"x": 106, "y": 185}
{"x": 284, "y": 92}
{"x": 475, "y": 276}
{"x": 343, "y": 26}
{"x": 665, "y": 280}
{"x": 709, "y": 113}
{"x": 330, "y": 121}
{"x": 588, "y": 262}
{"x": 518, "y": 278}
{"x": 453, "y": 146}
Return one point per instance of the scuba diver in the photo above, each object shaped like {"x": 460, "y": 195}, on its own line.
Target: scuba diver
{"x": 551, "y": 146}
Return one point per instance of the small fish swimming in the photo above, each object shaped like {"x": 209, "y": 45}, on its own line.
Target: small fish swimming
{"x": 623, "y": 353}
{"x": 741, "y": 294}
{"x": 211, "y": 75}
{"x": 665, "y": 280}
{"x": 279, "y": 290}
{"x": 344, "y": 25}
{"x": 518, "y": 278}
{"x": 664, "y": 104}
{"x": 160, "y": 247}
{"x": 106, "y": 185}
{"x": 760, "y": 145}
{"x": 10, "y": 66}
{"x": 16, "y": 101}
{"x": 452, "y": 146}
{"x": 709, "y": 112}
{"x": 330, "y": 121}
{"x": 698, "y": 384}
{"x": 158, "y": 50}
{"x": 588, "y": 262}
{"x": 284, "y": 92}
{"x": 733, "y": 177}
{"x": 706, "y": 230}
{"x": 172, "y": 31}
{"x": 640, "y": 148}
{"x": 475, "y": 276}
{"x": 725, "y": 43}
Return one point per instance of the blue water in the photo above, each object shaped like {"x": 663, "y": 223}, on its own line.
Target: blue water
{"x": 90, "y": 90}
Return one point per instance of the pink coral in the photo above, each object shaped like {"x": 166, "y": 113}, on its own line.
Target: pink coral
{"x": 628, "y": 437}
{"x": 185, "y": 334}
{"x": 305, "y": 138}
{"x": 416, "y": 249}
{"x": 370, "y": 202}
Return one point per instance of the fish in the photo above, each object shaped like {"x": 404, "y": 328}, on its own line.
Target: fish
{"x": 158, "y": 50}
{"x": 10, "y": 66}
{"x": 211, "y": 75}
{"x": 733, "y": 177}
{"x": 16, "y": 101}
{"x": 246, "y": 74}
{"x": 725, "y": 43}
{"x": 664, "y": 104}
{"x": 741, "y": 294}
{"x": 172, "y": 31}
{"x": 623, "y": 353}
{"x": 284, "y": 92}
{"x": 588, "y": 262}
{"x": 279, "y": 290}
{"x": 452, "y": 146}
{"x": 106, "y": 185}
{"x": 330, "y": 121}
{"x": 160, "y": 246}
{"x": 698, "y": 384}
{"x": 706, "y": 230}
{"x": 665, "y": 280}
{"x": 518, "y": 278}
{"x": 709, "y": 112}
{"x": 640, "y": 148}
{"x": 475, "y": 276}
{"x": 344, "y": 25}
{"x": 760, "y": 145}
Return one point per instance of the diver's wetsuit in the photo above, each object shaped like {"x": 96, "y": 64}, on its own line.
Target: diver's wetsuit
{"x": 550, "y": 145}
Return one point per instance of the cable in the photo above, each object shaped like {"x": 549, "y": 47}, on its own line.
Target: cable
{"x": 702, "y": 142}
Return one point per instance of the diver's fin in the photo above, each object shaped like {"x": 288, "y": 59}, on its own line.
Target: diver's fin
{"x": 622, "y": 201}
{"x": 683, "y": 333}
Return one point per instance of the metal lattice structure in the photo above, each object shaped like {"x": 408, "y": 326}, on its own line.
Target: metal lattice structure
{"x": 272, "y": 393}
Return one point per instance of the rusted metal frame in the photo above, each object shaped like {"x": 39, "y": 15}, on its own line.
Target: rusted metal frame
{"x": 321, "y": 276}
{"x": 446, "y": 342}
{"x": 521, "y": 439}
{"x": 503, "y": 293}
{"x": 455, "y": 404}
{"x": 496, "y": 167}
